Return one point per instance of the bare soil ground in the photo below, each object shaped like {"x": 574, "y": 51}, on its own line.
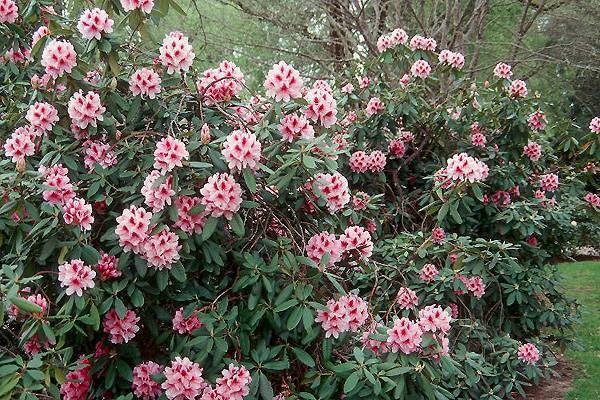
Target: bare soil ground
{"x": 557, "y": 387}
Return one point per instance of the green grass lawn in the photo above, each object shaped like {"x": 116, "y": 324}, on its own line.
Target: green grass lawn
{"x": 582, "y": 280}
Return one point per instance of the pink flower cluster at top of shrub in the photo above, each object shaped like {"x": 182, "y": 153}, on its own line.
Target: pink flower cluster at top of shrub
{"x": 348, "y": 313}
{"x": 9, "y": 11}
{"x": 121, "y": 330}
{"x": 93, "y": 23}
{"x": 283, "y": 83}
{"x": 76, "y": 277}
{"x": 528, "y": 353}
{"x": 176, "y": 53}
{"x": 241, "y": 150}
{"x": 221, "y": 84}
{"x": 187, "y": 325}
{"x": 456, "y": 60}
{"x": 145, "y": 82}
{"x": 143, "y": 5}
{"x": 295, "y": 126}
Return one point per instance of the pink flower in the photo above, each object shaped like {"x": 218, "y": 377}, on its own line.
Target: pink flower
{"x": 478, "y": 140}
{"x": 8, "y": 11}
{"x": 133, "y": 227}
{"x": 78, "y": 212}
{"x": 38, "y": 34}
{"x": 334, "y": 188}
{"x": 434, "y": 319}
{"x": 234, "y": 383}
{"x": 476, "y": 286}
{"x": 56, "y": 177}
{"x": 531, "y": 240}
{"x": 407, "y": 298}
{"x": 294, "y": 126}
{"x": 157, "y": 190}
{"x": 420, "y": 69}
{"x": 437, "y": 235}
{"x": 221, "y": 84}
{"x": 533, "y": 151}
{"x": 143, "y": 5}
{"x": 321, "y": 107}
{"x": 347, "y": 88}
{"x": 419, "y": 42}
{"x": 456, "y": 60}
{"x": 205, "y": 134}
{"x": 383, "y": 43}
{"x": 359, "y": 161}
{"x": 398, "y": 36}
{"x": 405, "y": 80}
{"x": 121, "y": 330}
{"x": 107, "y": 267}
{"x": 20, "y": 144}
{"x": 501, "y": 198}
{"x": 595, "y": 125}
{"x": 183, "y": 380}
{"x": 463, "y": 167}
{"x": 528, "y": 353}
{"x": 406, "y": 136}
{"x": 97, "y": 152}
{"x": 360, "y": 200}
{"x": 42, "y": 116}
{"x": 161, "y": 250}
{"x": 241, "y": 150}
{"x": 518, "y": 88}
{"x": 169, "y": 153}
{"x": 186, "y": 325}
{"x": 59, "y": 57}
{"x": 364, "y": 82}
{"x": 377, "y": 346}
{"x": 17, "y": 56}
{"x": 592, "y": 199}
{"x": 428, "y": 272}
{"x": 397, "y": 148}
{"x": 85, "y": 110}
{"x": 356, "y": 312}
{"x": 144, "y": 387}
{"x": 76, "y": 277}
{"x": 221, "y": 195}
{"x": 145, "y": 82}
{"x": 537, "y": 120}
{"x": 176, "y": 53}
{"x": 549, "y": 182}
{"x": 333, "y": 321}
{"x": 374, "y": 106}
{"x": 186, "y": 220}
{"x": 93, "y": 23}
{"x": 503, "y": 70}
{"x": 377, "y": 161}
{"x": 321, "y": 244}
{"x": 404, "y": 336}
{"x": 283, "y": 82}
{"x": 357, "y": 239}
{"x": 77, "y": 383}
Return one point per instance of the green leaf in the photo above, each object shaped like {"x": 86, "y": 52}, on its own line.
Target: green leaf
{"x": 250, "y": 180}
{"x": 303, "y": 357}
{"x": 265, "y": 388}
{"x": 162, "y": 279}
{"x": 237, "y": 224}
{"x": 352, "y": 381}
{"x": 178, "y": 272}
{"x": 209, "y": 228}
{"x": 120, "y": 307}
{"x": 25, "y": 305}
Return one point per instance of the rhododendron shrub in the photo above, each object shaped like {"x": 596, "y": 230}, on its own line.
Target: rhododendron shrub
{"x": 169, "y": 232}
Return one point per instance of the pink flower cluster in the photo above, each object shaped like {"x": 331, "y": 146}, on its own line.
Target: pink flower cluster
{"x": 407, "y": 298}
{"x": 359, "y": 201}
{"x": 144, "y": 387}
{"x": 76, "y": 277}
{"x": 241, "y": 150}
{"x": 438, "y": 235}
{"x": 107, "y": 267}
{"x": 21, "y": 144}
{"x": 234, "y": 384}
{"x": 396, "y": 37}
{"x": 8, "y": 11}
{"x": 532, "y": 150}
{"x": 321, "y": 244}
{"x": 57, "y": 178}
{"x": 38, "y": 34}
{"x": 176, "y": 53}
{"x": 121, "y": 330}
{"x": 157, "y": 190}
{"x": 161, "y": 250}
{"x": 169, "y": 153}
{"x": 85, "y": 109}
{"x": 518, "y": 88}
{"x": 593, "y": 200}
{"x": 463, "y": 167}
{"x": 362, "y": 162}
{"x": 434, "y": 319}
{"x": 187, "y": 325}
{"x": 93, "y": 23}
{"x": 356, "y": 240}
{"x": 428, "y": 272}
{"x": 145, "y": 82}
{"x": 374, "y": 106}
{"x": 143, "y": 5}
{"x": 348, "y": 313}
{"x": 42, "y": 116}
{"x": 549, "y": 182}
{"x": 133, "y": 226}
{"x": 295, "y": 126}
{"x": 221, "y": 84}
{"x": 456, "y": 60}
{"x": 58, "y": 57}
{"x": 183, "y": 380}
{"x": 420, "y": 69}
{"x": 397, "y": 148}
{"x": 595, "y": 125}
{"x": 77, "y": 383}
{"x": 98, "y": 152}
{"x": 537, "y": 120}
{"x": 221, "y": 195}
{"x": 321, "y": 107}
{"x": 78, "y": 212}
{"x": 419, "y": 42}
{"x": 503, "y": 71}
{"x": 283, "y": 83}
{"x": 405, "y": 336}
{"x": 528, "y": 353}
{"x": 186, "y": 220}
{"x": 334, "y": 188}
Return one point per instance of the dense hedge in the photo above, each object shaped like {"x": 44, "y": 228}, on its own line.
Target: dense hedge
{"x": 171, "y": 233}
